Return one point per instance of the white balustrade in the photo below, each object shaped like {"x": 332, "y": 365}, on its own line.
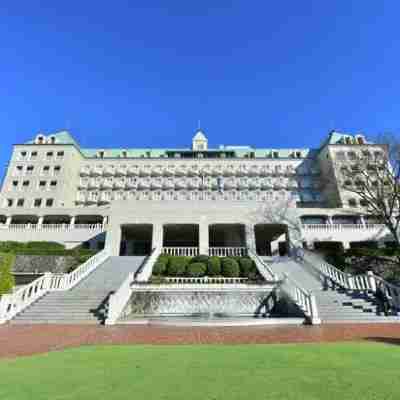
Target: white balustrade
{"x": 204, "y": 280}
{"x": 181, "y": 251}
{"x": 303, "y": 298}
{"x": 262, "y": 266}
{"x": 227, "y": 251}
{"x": 340, "y": 227}
{"x": 118, "y": 300}
{"x": 143, "y": 274}
{"x": 11, "y": 304}
{"x": 55, "y": 227}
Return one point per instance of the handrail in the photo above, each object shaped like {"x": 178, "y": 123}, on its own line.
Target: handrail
{"x": 13, "y": 303}
{"x": 144, "y": 272}
{"x": 304, "y": 299}
{"x": 362, "y": 282}
{"x": 68, "y": 281}
{"x": 118, "y": 300}
{"x": 261, "y": 265}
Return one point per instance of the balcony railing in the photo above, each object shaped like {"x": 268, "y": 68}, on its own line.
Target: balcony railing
{"x": 181, "y": 251}
{"x": 55, "y": 227}
{"x": 342, "y": 227}
{"x": 227, "y": 251}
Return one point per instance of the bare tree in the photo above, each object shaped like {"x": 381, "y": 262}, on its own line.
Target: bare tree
{"x": 373, "y": 176}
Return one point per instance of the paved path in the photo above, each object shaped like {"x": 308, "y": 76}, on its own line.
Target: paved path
{"x": 18, "y": 340}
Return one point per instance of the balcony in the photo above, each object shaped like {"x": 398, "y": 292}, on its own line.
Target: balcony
{"x": 84, "y": 171}
{"x": 108, "y": 171}
{"x": 131, "y": 183}
{"x": 144, "y": 184}
{"x": 133, "y": 171}
{"x": 83, "y": 184}
{"x": 168, "y": 184}
{"x": 120, "y": 171}
{"x": 119, "y": 184}
{"x": 105, "y": 198}
{"x": 96, "y": 171}
{"x": 94, "y": 184}
{"x": 230, "y": 184}
{"x": 107, "y": 184}
{"x": 156, "y": 184}
{"x": 145, "y": 171}
{"x": 180, "y": 184}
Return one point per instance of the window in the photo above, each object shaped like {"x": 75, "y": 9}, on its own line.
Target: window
{"x": 275, "y": 154}
{"x": 60, "y": 154}
{"x": 57, "y": 170}
{"x": 18, "y": 170}
{"x": 46, "y": 170}
{"x": 340, "y": 155}
{"x": 25, "y": 183}
{"x": 124, "y": 154}
{"x": 20, "y": 202}
{"x": 53, "y": 184}
{"x": 37, "y": 203}
{"x": 34, "y": 154}
{"x": 52, "y": 139}
{"x": 49, "y": 154}
{"x": 100, "y": 154}
{"x": 29, "y": 169}
{"x": 49, "y": 202}
{"x": 10, "y": 202}
{"x": 298, "y": 154}
{"x": 14, "y": 184}
{"x": 352, "y": 155}
{"x": 363, "y": 203}
{"x": 352, "y": 203}
{"x": 23, "y": 154}
{"x": 42, "y": 184}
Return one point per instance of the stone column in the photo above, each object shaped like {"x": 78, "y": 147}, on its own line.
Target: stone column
{"x": 250, "y": 237}
{"x": 113, "y": 240}
{"x": 8, "y": 221}
{"x": 157, "y": 237}
{"x": 329, "y": 220}
{"x": 40, "y": 222}
{"x": 105, "y": 220}
{"x": 362, "y": 221}
{"x": 72, "y": 222}
{"x": 346, "y": 245}
{"x": 203, "y": 237}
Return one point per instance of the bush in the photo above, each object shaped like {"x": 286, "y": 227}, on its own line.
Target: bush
{"x": 45, "y": 245}
{"x": 214, "y": 266}
{"x": 200, "y": 259}
{"x": 7, "y": 281}
{"x": 159, "y": 268}
{"x": 196, "y": 269}
{"x": 177, "y": 266}
{"x": 247, "y": 267}
{"x": 230, "y": 267}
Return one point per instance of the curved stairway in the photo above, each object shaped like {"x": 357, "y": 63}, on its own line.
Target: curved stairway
{"x": 85, "y": 302}
{"x": 334, "y": 304}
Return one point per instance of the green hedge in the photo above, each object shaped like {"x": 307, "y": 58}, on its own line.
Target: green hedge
{"x": 177, "y": 265}
{"x": 196, "y": 269}
{"x": 214, "y": 266}
{"x": 230, "y": 267}
{"x": 7, "y": 281}
{"x": 159, "y": 268}
{"x": 200, "y": 259}
{"x": 247, "y": 267}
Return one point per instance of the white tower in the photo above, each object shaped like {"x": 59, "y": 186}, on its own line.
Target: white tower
{"x": 199, "y": 141}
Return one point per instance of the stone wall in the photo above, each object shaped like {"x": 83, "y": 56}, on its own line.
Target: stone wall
{"x": 41, "y": 264}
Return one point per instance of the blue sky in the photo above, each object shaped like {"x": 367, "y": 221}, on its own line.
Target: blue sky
{"x": 141, "y": 74}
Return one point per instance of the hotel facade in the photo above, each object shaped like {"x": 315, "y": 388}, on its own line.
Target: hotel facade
{"x": 196, "y": 200}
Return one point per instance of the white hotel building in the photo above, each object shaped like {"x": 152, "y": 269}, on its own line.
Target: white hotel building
{"x": 201, "y": 199}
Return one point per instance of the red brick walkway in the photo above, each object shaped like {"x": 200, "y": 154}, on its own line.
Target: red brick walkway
{"x": 18, "y": 340}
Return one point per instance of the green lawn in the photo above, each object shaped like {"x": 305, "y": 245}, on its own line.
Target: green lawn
{"x": 310, "y": 371}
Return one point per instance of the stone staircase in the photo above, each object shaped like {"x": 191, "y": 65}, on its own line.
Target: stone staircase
{"x": 334, "y": 304}
{"x": 85, "y": 303}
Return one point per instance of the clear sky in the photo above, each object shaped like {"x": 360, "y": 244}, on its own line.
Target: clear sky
{"x": 142, "y": 73}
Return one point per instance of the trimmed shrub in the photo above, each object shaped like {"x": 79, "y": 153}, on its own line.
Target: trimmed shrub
{"x": 45, "y": 245}
{"x": 247, "y": 267}
{"x": 177, "y": 265}
{"x": 7, "y": 281}
{"x": 230, "y": 267}
{"x": 214, "y": 266}
{"x": 200, "y": 259}
{"x": 159, "y": 268}
{"x": 196, "y": 269}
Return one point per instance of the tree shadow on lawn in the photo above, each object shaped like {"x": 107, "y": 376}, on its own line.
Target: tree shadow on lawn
{"x": 386, "y": 340}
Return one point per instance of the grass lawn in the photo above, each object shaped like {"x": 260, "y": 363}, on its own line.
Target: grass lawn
{"x": 310, "y": 371}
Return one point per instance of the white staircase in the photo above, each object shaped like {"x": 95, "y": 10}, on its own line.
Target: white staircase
{"x": 86, "y": 302}
{"x": 335, "y": 303}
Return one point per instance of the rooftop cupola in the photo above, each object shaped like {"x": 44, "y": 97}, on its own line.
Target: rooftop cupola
{"x": 199, "y": 141}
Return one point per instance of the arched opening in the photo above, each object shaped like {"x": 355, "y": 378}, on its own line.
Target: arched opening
{"x": 271, "y": 239}
{"x": 88, "y": 220}
{"x": 313, "y": 219}
{"x": 227, "y": 235}
{"x": 3, "y": 219}
{"x": 181, "y": 235}
{"x": 345, "y": 219}
{"x": 136, "y": 239}
{"x": 56, "y": 219}
{"x": 24, "y": 219}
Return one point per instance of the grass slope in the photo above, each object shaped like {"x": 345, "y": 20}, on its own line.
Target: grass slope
{"x": 331, "y": 371}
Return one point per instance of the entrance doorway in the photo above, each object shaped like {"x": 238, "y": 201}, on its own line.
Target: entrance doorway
{"x": 271, "y": 239}
{"x": 136, "y": 240}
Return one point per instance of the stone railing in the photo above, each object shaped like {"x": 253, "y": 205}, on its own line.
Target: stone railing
{"x": 13, "y": 303}
{"x": 143, "y": 274}
{"x": 262, "y": 266}
{"x": 57, "y": 227}
{"x": 204, "y": 280}
{"x": 227, "y": 251}
{"x": 181, "y": 251}
{"x": 304, "y": 299}
{"x": 362, "y": 282}
{"x": 341, "y": 227}
{"x": 118, "y": 300}
{"x": 68, "y": 281}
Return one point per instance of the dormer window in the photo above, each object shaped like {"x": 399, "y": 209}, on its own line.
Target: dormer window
{"x": 52, "y": 140}
{"x": 40, "y": 139}
{"x": 275, "y": 154}
{"x": 360, "y": 140}
{"x": 100, "y": 154}
{"x": 124, "y": 154}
